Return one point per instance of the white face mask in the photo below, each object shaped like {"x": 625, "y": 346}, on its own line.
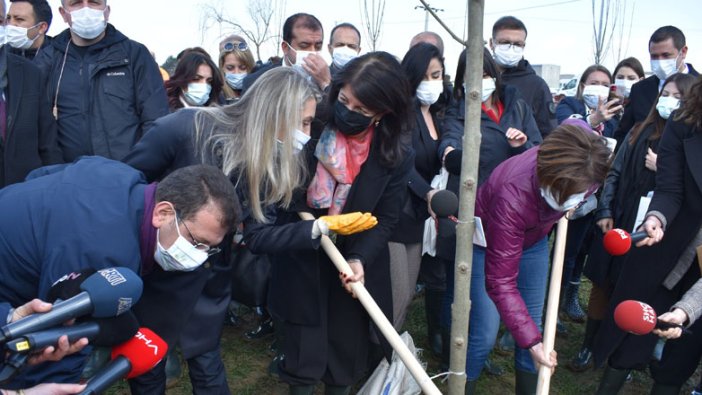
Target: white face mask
{"x": 300, "y": 139}
{"x": 181, "y": 256}
{"x": 299, "y": 60}
{"x": 488, "y": 88}
{"x": 593, "y": 93}
{"x": 569, "y": 203}
{"x": 664, "y": 68}
{"x": 235, "y": 80}
{"x": 2, "y": 35}
{"x": 16, "y": 36}
{"x": 88, "y": 23}
{"x": 343, "y": 55}
{"x": 198, "y": 93}
{"x": 506, "y": 56}
{"x": 428, "y": 92}
{"x": 624, "y": 86}
{"x": 666, "y": 105}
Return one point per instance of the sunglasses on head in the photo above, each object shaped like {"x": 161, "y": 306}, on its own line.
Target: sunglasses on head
{"x": 231, "y": 46}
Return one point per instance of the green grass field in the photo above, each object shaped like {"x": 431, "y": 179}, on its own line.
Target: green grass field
{"x": 247, "y": 363}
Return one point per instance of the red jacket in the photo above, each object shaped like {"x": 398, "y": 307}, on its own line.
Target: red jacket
{"x": 515, "y": 217}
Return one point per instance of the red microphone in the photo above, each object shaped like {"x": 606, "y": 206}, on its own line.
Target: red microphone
{"x": 129, "y": 359}
{"x": 639, "y": 318}
{"x": 618, "y": 241}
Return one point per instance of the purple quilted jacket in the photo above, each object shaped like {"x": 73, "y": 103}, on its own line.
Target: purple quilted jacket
{"x": 515, "y": 217}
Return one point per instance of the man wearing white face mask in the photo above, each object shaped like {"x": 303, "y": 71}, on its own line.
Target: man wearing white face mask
{"x": 668, "y": 49}
{"x": 26, "y": 26}
{"x": 507, "y": 44}
{"x": 105, "y": 89}
{"x": 27, "y": 130}
{"x": 344, "y": 45}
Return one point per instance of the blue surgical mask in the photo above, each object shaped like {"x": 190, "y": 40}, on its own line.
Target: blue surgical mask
{"x": 198, "y": 93}
{"x": 666, "y": 105}
{"x": 300, "y": 139}
{"x": 235, "y": 80}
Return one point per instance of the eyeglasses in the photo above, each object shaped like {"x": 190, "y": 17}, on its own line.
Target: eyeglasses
{"x": 231, "y": 46}
{"x": 510, "y": 45}
{"x": 200, "y": 246}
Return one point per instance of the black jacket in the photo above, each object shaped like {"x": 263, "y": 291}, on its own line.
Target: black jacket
{"x": 30, "y": 54}
{"x": 426, "y": 166}
{"x": 678, "y": 197}
{"x": 109, "y": 95}
{"x": 534, "y": 91}
{"x": 494, "y": 148}
{"x": 641, "y": 99}
{"x": 30, "y": 129}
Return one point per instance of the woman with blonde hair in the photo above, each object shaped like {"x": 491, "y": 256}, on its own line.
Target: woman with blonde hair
{"x": 235, "y": 62}
{"x": 255, "y": 142}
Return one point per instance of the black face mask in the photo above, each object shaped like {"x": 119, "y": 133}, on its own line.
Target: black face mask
{"x": 350, "y": 122}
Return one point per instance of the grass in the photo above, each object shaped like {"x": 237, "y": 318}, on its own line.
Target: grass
{"x": 247, "y": 363}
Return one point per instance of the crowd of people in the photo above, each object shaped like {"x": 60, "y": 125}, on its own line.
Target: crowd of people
{"x": 109, "y": 160}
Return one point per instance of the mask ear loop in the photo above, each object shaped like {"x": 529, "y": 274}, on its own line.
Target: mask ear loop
{"x": 58, "y": 84}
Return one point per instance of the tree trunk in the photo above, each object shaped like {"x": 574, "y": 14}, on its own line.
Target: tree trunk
{"x": 460, "y": 310}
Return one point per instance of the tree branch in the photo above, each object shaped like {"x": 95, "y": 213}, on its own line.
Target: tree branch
{"x": 448, "y": 29}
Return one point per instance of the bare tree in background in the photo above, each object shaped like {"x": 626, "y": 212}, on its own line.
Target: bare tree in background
{"x": 261, "y": 14}
{"x": 372, "y": 13}
{"x": 607, "y": 17}
{"x": 623, "y": 45}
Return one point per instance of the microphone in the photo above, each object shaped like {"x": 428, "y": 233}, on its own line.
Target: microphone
{"x": 107, "y": 293}
{"x": 68, "y": 286}
{"x": 452, "y": 162}
{"x": 639, "y": 318}
{"x": 129, "y": 359}
{"x": 102, "y": 332}
{"x": 618, "y": 241}
{"x": 444, "y": 204}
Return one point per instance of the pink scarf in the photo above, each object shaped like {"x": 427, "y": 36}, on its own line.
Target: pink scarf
{"x": 340, "y": 158}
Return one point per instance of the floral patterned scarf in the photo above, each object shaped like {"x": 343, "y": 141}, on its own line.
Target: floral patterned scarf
{"x": 340, "y": 158}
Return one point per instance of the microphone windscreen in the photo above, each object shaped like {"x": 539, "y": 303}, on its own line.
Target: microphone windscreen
{"x": 68, "y": 286}
{"x": 115, "y": 330}
{"x": 452, "y": 161}
{"x": 617, "y": 242}
{"x": 144, "y": 351}
{"x": 444, "y": 203}
{"x": 636, "y": 317}
{"x": 113, "y": 291}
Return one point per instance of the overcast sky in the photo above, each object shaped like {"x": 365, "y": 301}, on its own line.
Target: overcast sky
{"x": 560, "y": 31}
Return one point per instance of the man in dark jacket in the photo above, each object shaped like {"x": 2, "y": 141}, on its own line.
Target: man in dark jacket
{"x": 102, "y": 213}
{"x": 105, "y": 89}
{"x": 667, "y": 49}
{"x": 507, "y": 44}
{"x": 30, "y": 20}
{"x": 27, "y": 129}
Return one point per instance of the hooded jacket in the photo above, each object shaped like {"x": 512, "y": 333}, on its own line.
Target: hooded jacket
{"x": 108, "y": 96}
{"x": 514, "y": 217}
{"x": 534, "y": 91}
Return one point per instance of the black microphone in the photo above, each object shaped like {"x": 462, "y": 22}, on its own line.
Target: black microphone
{"x": 107, "y": 293}
{"x": 452, "y": 161}
{"x": 444, "y": 204}
{"x": 103, "y": 332}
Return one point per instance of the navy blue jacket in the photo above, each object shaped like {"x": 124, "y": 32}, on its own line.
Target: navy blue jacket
{"x": 570, "y": 105}
{"x": 494, "y": 148}
{"x": 86, "y": 214}
{"x": 109, "y": 95}
{"x": 534, "y": 91}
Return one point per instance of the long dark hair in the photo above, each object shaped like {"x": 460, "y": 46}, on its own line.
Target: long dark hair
{"x": 415, "y": 64}
{"x": 185, "y": 72}
{"x": 690, "y": 108}
{"x": 377, "y": 81}
{"x": 683, "y": 82}
{"x": 489, "y": 68}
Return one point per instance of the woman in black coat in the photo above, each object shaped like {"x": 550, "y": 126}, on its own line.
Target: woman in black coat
{"x": 255, "y": 141}
{"x": 424, "y": 67}
{"x": 360, "y": 165}
{"x": 632, "y": 176}
{"x": 662, "y": 272}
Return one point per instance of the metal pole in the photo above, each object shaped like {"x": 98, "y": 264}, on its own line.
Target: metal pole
{"x": 426, "y": 20}
{"x": 460, "y": 310}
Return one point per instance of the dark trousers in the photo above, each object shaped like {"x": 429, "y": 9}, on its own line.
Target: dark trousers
{"x": 335, "y": 351}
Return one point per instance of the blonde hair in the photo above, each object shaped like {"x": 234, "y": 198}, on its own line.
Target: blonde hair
{"x": 245, "y": 57}
{"x": 243, "y": 138}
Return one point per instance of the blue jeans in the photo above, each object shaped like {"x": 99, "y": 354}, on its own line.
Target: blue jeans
{"x": 484, "y": 318}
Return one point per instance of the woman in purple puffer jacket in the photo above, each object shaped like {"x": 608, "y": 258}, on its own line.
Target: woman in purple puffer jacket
{"x": 518, "y": 205}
